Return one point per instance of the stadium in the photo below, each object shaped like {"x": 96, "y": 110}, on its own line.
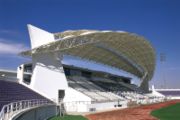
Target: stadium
{"x": 77, "y": 72}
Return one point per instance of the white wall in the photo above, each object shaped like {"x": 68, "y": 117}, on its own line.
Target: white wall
{"x": 20, "y": 70}
{"x": 76, "y": 101}
{"x": 174, "y": 97}
{"x": 74, "y": 95}
{"x": 47, "y": 77}
{"x": 107, "y": 105}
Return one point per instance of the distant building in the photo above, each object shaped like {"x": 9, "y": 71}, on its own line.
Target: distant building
{"x": 10, "y": 75}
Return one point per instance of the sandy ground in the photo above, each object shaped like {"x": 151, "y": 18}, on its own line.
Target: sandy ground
{"x": 136, "y": 113}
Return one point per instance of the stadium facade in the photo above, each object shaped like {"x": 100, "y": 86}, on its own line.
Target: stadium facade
{"x": 49, "y": 75}
{"x": 80, "y": 71}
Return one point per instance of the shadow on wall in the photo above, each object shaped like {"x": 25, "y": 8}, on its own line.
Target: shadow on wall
{"x": 51, "y": 61}
{"x": 40, "y": 113}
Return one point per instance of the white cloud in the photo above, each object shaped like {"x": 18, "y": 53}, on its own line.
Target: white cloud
{"x": 9, "y": 47}
{"x": 9, "y": 32}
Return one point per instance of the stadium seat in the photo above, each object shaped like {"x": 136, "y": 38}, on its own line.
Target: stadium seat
{"x": 13, "y": 91}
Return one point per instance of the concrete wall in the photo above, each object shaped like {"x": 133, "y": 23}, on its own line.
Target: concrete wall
{"x": 174, "y": 97}
{"x": 72, "y": 95}
{"x": 40, "y": 113}
{"x": 83, "y": 106}
{"x": 48, "y": 76}
{"x": 20, "y": 72}
{"x": 107, "y": 105}
{"x": 76, "y": 101}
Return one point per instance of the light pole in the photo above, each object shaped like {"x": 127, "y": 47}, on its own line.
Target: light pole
{"x": 163, "y": 60}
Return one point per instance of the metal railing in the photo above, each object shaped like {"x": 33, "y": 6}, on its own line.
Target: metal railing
{"x": 9, "y": 110}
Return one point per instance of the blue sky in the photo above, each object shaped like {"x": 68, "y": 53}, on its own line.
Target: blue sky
{"x": 156, "y": 20}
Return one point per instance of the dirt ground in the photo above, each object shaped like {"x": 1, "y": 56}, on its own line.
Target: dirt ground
{"x": 136, "y": 113}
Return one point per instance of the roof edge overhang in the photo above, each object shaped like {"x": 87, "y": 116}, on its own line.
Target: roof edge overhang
{"x": 90, "y": 39}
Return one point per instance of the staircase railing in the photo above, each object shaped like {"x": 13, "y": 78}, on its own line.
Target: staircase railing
{"x": 9, "y": 110}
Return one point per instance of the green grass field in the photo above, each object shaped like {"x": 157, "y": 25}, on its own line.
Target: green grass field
{"x": 69, "y": 117}
{"x": 168, "y": 113}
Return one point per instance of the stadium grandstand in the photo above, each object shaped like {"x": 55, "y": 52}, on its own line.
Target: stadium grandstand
{"x": 79, "y": 71}
{"x": 170, "y": 93}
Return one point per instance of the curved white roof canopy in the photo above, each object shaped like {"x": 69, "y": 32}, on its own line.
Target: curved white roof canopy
{"x": 121, "y": 50}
